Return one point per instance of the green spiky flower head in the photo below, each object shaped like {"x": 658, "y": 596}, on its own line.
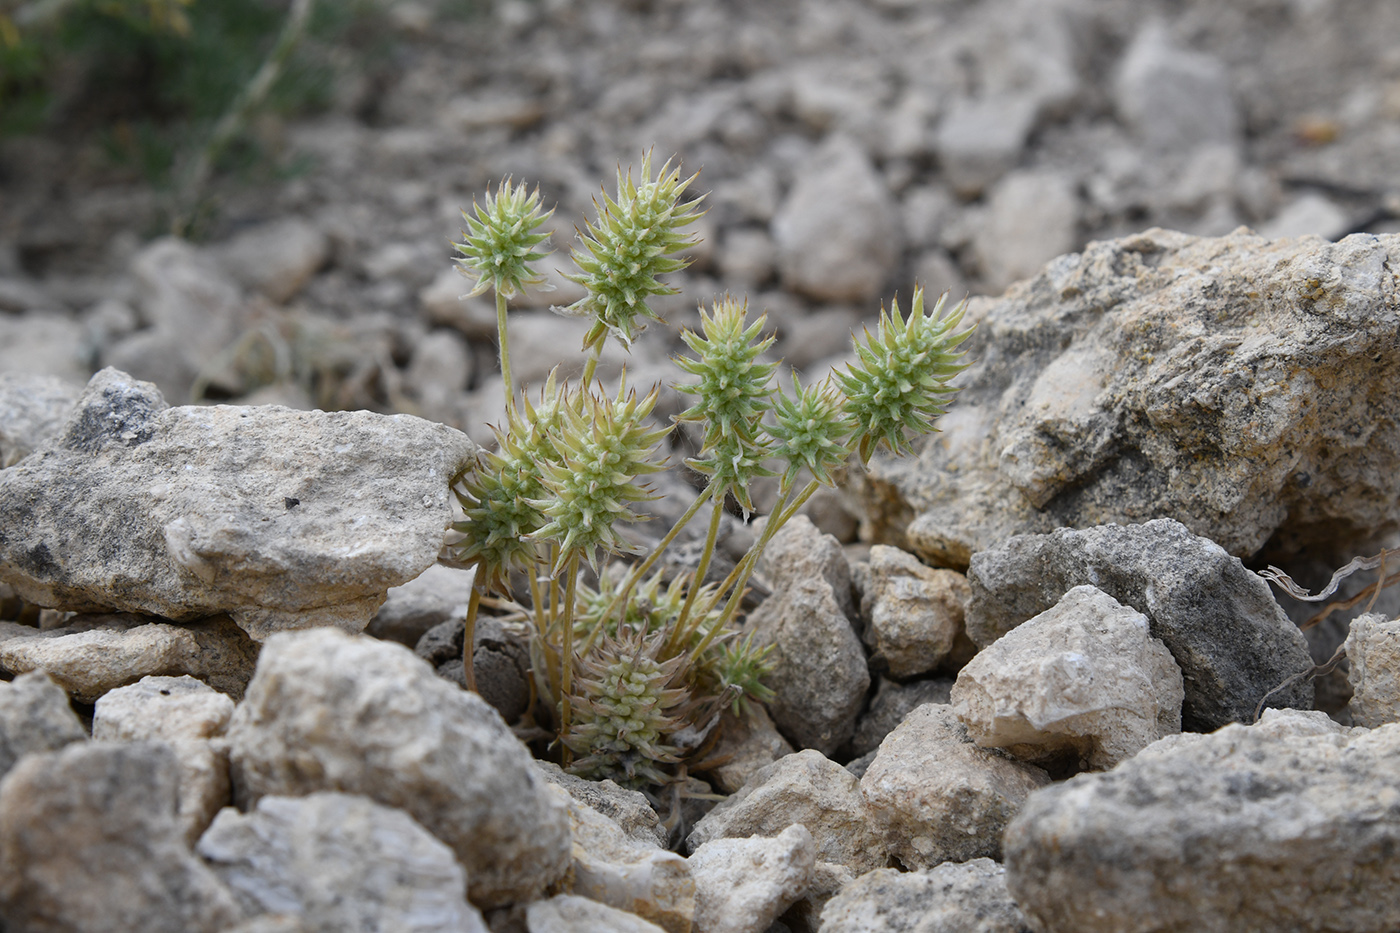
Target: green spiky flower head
{"x": 899, "y": 384}
{"x": 811, "y": 430}
{"x": 603, "y": 446}
{"x": 499, "y": 242}
{"x": 636, "y": 238}
{"x": 734, "y": 386}
{"x": 497, "y": 520}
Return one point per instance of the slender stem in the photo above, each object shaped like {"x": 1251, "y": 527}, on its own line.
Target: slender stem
{"x": 679, "y": 631}
{"x": 504, "y": 343}
{"x": 593, "y": 343}
{"x": 780, "y": 517}
{"x": 566, "y": 679}
{"x": 248, "y": 99}
{"x": 469, "y": 636}
{"x": 639, "y": 570}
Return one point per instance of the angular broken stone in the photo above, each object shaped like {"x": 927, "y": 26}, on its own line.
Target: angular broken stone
{"x": 746, "y": 745}
{"x": 34, "y": 717}
{"x": 342, "y": 864}
{"x": 32, "y": 408}
{"x": 820, "y": 676}
{"x": 1289, "y": 824}
{"x": 570, "y": 913}
{"x": 1229, "y": 383}
{"x": 891, "y": 703}
{"x": 913, "y": 613}
{"x": 1083, "y": 678}
{"x": 743, "y": 885}
{"x": 807, "y": 788}
{"x": 281, "y": 518}
{"x": 186, "y": 714}
{"x": 328, "y": 711}
{"x": 89, "y": 843}
{"x": 1373, "y": 648}
{"x": 90, "y": 655}
{"x": 937, "y": 797}
{"x": 955, "y": 897}
{"x": 1220, "y": 622}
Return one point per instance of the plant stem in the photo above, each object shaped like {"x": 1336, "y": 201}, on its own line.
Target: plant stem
{"x": 504, "y": 350}
{"x": 776, "y": 520}
{"x": 679, "y": 632}
{"x": 469, "y": 636}
{"x": 566, "y": 677}
{"x": 639, "y": 570}
{"x": 593, "y": 343}
{"x": 248, "y": 99}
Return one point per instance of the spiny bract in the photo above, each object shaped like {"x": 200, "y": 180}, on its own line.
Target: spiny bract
{"x": 603, "y": 445}
{"x": 500, "y": 241}
{"x": 633, "y": 242}
{"x": 811, "y": 431}
{"x": 899, "y": 385}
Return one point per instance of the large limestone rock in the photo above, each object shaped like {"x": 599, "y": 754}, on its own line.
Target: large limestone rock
{"x": 1290, "y": 824}
{"x": 742, "y": 885}
{"x": 1239, "y": 385}
{"x": 282, "y": 518}
{"x": 1220, "y": 622}
{"x": 331, "y": 712}
{"x": 89, "y": 843}
{"x": 1083, "y": 679}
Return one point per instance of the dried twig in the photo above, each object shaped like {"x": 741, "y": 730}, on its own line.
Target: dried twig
{"x": 1280, "y": 579}
{"x": 1317, "y": 670}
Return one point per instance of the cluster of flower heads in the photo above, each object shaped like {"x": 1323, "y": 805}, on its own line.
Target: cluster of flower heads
{"x": 655, "y": 659}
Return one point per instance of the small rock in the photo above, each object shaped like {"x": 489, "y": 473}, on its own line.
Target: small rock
{"x": 966, "y": 897}
{"x": 1373, "y": 648}
{"x": 746, "y": 259}
{"x": 568, "y": 913}
{"x": 1310, "y": 214}
{"x": 34, "y": 717}
{"x": 341, "y": 864}
{"x": 284, "y": 519}
{"x": 185, "y": 714}
{"x": 1174, "y": 98}
{"x": 326, "y": 711}
{"x": 837, "y": 232}
{"x": 89, "y": 843}
{"x": 443, "y": 303}
{"x": 500, "y": 660}
{"x": 893, "y": 701}
{"x": 746, "y": 745}
{"x": 629, "y": 809}
{"x": 439, "y": 594}
{"x": 806, "y": 788}
{"x": 613, "y": 867}
{"x": 32, "y": 409}
{"x": 41, "y": 343}
{"x": 937, "y": 797}
{"x": 1083, "y": 678}
{"x": 438, "y": 373}
{"x": 743, "y": 885}
{"x": 1031, "y": 217}
{"x": 276, "y": 258}
{"x": 1289, "y": 824}
{"x": 1219, "y": 621}
{"x": 90, "y": 655}
{"x": 913, "y": 613}
{"x": 798, "y": 551}
{"x": 979, "y": 140}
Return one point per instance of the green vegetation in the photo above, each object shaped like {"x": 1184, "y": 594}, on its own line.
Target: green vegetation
{"x": 633, "y": 672}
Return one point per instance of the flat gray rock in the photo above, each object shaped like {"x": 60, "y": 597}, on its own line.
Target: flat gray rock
{"x": 1239, "y": 385}
{"x": 1290, "y": 824}
{"x": 1219, "y": 621}
{"x": 282, "y": 518}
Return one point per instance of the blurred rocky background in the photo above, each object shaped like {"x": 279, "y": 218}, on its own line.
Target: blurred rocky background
{"x": 851, "y": 148}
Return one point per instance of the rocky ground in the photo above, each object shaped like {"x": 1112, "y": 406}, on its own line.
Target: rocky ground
{"x": 1019, "y": 677}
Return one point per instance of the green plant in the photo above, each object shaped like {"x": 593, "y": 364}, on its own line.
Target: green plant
{"x": 633, "y": 671}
